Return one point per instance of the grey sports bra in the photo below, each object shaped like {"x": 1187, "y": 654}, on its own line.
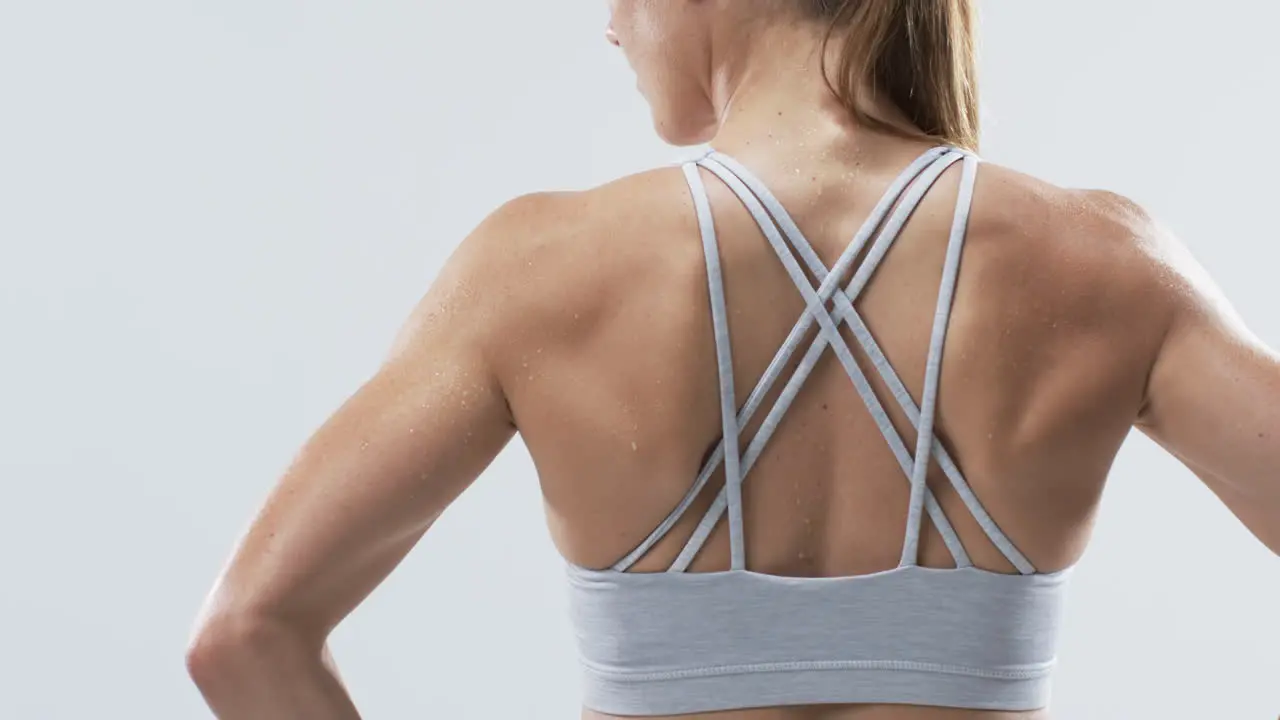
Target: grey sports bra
{"x": 677, "y": 642}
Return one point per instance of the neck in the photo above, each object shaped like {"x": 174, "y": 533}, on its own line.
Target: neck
{"x": 772, "y": 87}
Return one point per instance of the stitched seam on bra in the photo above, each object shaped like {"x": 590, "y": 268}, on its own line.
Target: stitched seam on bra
{"x": 1022, "y": 672}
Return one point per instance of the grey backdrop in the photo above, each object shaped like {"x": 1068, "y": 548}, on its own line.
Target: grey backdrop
{"x": 214, "y": 215}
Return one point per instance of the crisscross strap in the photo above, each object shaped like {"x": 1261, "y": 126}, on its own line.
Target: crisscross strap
{"x": 829, "y": 335}
{"x": 846, "y": 312}
{"x": 933, "y": 364}
{"x": 724, "y": 361}
{"x": 756, "y": 398}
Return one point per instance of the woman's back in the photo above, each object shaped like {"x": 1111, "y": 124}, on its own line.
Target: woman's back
{"x": 1050, "y": 342}
{"x": 615, "y": 386}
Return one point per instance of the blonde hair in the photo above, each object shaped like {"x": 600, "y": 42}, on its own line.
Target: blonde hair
{"x": 920, "y": 55}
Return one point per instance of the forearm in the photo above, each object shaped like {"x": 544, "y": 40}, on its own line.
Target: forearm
{"x": 260, "y": 671}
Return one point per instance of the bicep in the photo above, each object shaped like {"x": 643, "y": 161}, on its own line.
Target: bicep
{"x": 372, "y": 479}
{"x": 1214, "y": 401}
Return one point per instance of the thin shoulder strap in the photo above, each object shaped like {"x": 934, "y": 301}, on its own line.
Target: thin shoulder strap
{"x": 845, "y": 312}
{"x": 724, "y": 361}
{"x": 933, "y": 364}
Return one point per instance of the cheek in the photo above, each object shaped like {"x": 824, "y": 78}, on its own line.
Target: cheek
{"x": 661, "y": 49}
{"x": 643, "y": 28}
{"x": 647, "y": 28}
{"x": 623, "y": 16}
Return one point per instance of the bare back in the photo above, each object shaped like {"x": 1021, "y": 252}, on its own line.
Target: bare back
{"x": 1046, "y": 361}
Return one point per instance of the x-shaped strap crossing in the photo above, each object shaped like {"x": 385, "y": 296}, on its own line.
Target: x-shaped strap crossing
{"x": 932, "y": 164}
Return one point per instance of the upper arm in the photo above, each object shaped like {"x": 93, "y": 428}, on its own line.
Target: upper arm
{"x": 1213, "y": 395}
{"x": 372, "y": 479}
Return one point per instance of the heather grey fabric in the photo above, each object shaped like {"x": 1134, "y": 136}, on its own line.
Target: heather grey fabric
{"x": 680, "y": 642}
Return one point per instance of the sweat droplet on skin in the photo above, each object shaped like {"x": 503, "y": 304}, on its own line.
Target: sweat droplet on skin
{"x": 634, "y": 447}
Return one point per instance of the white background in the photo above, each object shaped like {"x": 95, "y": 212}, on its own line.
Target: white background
{"x": 214, "y": 215}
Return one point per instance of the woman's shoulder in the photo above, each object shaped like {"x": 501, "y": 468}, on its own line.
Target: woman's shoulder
{"x": 573, "y": 237}
{"x": 1094, "y": 259}
{"x": 564, "y": 219}
{"x": 550, "y": 265}
{"x": 1037, "y": 221}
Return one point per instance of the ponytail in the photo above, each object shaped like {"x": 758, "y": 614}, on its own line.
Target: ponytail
{"x": 919, "y": 55}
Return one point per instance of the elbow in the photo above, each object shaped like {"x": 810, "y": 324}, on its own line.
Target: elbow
{"x": 231, "y": 650}
{"x": 220, "y": 649}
